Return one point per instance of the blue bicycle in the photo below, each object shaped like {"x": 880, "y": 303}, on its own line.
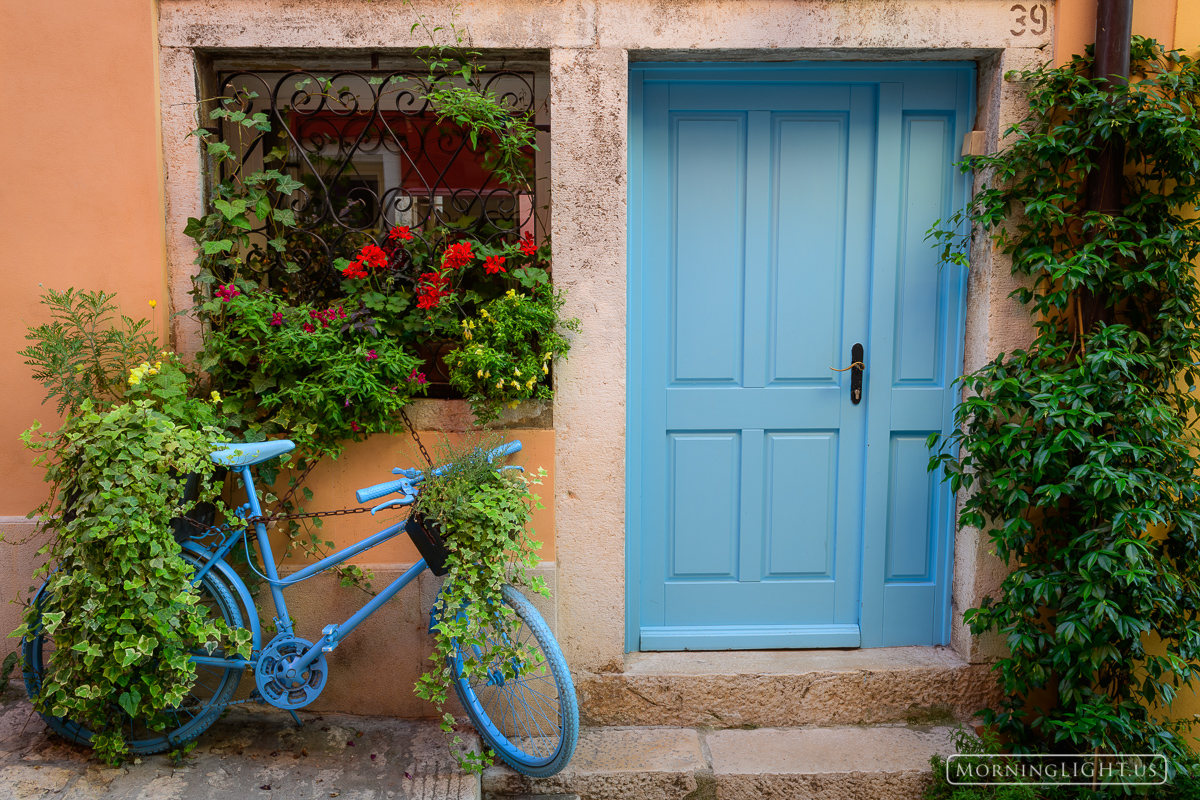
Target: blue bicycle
{"x": 530, "y": 721}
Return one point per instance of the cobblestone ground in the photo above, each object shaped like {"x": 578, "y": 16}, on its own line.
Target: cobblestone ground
{"x": 250, "y": 753}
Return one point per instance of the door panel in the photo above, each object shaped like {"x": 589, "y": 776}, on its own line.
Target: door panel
{"x": 774, "y": 223}
{"x": 709, "y": 157}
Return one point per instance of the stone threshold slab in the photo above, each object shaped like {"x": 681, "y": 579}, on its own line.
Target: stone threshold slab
{"x": 919, "y": 685}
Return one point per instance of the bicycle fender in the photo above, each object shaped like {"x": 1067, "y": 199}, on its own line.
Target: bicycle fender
{"x": 239, "y": 586}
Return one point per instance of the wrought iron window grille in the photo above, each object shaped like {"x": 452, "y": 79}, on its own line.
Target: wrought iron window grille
{"x": 368, "y": 149}
{"x": 371, "y": 155}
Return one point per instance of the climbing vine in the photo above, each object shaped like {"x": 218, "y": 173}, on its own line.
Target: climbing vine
{"x": 1077, "y": 454}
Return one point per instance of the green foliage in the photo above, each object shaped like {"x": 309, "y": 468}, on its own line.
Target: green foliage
{"x": 484, "y": 515}
{"x": 84, "y": 353}
{"x": 508, "y": 349}
{"x": 967, "y": 744}
{"x": 119, "y": 607}
{"x": 306, "y": 371}
{"x": 456, "y": 93}
{"x": 1076, "y": 455}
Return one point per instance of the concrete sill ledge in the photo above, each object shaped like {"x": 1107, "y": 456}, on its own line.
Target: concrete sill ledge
{"x": 916, "y": 685}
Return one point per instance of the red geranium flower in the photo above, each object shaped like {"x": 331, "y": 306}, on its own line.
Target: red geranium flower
{"x": 375, "y": 257}
{"x": 400, "y": 233}
{"x": 308, "y": 327}
{"x": 492, "y": 265}
{"x": 432, "y": 289}
{"x": 457, "y": 255}
{"x": 528, "y": 246}
{"x": 355, "y": 269}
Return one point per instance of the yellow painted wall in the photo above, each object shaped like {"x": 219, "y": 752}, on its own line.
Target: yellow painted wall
{"x": 1075, "y": 23}
{"x": 81, "y": 200}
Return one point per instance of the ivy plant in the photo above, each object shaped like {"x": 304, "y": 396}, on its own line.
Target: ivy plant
{"x": 1076, "y": 455}
{"x": 483, "y": 515}
{"x": 119, "y": 605}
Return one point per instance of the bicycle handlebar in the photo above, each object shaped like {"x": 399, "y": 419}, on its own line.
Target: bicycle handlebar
{"x": 380, "y": 489}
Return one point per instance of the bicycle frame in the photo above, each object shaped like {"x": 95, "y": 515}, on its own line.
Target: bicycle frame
{"x": 332, "y": 634}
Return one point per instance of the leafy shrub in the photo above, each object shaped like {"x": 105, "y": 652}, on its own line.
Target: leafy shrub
{"x": 119, "y": 606}
{"x": 508, "y": 348}
{"x": 1077, "y": 455}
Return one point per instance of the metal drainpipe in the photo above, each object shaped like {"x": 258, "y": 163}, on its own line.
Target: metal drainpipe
{"x": 1114, "y": 28}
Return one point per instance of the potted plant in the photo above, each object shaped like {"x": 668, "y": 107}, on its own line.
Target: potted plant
{"x": 471, "y": 523}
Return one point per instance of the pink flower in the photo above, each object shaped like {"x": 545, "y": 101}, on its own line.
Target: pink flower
{"x": 308, "y": 327}
{"x": 372, "y": 355}
{"x": 277, "y": 319}
{"x": 354, "y": 427}
{"x": 347, "y": 404}
{"x": 416, "y": 377}
{"x": 227, "y": 293}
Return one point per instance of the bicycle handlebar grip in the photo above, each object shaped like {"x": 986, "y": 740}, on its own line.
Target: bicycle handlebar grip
{"x": 378, "y": 490}
{"x": 505, "y": 449}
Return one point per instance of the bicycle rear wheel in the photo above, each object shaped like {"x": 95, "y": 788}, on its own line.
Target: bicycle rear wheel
{"x": 200, "y": 708}
{"x": 531, "y": 722}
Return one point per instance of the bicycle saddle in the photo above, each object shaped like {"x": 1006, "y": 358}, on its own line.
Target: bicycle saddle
{"x": 247, "y": 454}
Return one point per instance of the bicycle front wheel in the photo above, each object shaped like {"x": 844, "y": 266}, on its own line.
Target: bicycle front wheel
{"x": 532, "y": 721}
{"x": 200, "y": 708}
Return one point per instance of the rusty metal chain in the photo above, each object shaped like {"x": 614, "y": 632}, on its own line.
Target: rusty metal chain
{"x": 267, "y": 519}
{"x": 416, "y": 438}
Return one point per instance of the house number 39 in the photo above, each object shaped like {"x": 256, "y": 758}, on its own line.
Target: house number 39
{"x": 1034, "y": 19}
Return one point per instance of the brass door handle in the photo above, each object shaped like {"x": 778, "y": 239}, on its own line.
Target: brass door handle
{"x": 859, "y": 366}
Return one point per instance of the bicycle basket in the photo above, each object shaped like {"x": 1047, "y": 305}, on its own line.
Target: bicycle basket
{"x": 426, "y": 536}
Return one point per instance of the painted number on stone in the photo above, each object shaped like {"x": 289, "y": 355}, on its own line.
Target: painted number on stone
{"x": 1033, "y": 19}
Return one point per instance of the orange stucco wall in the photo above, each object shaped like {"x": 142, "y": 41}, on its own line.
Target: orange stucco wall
{"x": 81, "y": 201}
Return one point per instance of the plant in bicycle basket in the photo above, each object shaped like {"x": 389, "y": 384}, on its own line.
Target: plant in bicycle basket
{"x": 119, "y": 608}
{"x": 482, "y": 514}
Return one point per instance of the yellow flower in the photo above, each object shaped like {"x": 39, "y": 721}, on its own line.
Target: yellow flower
{"x": 516, "y": 385}
{"x": 158, "y": 365}
{"x": 134, "y": 380}
{"x": 79, "y": 367}
{"x": 479, "y": 374}
{"x": 530, "y": 382}
{"x": 500, "y": 384}
{"x": 483, "y": 313}
{"x": 545, "y": 370}
{"x": 153, "y": 303}
{"x": 517, "y": 373}
{"x": 216, "y": 396}
{"x": 511, "y": 293}
{"x": 151, "y": 372}
{"x": 467, "y": 335}
{"x": 487, "y": 374}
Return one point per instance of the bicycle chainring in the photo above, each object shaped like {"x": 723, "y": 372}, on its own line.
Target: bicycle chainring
{"x": 281, "y": 685}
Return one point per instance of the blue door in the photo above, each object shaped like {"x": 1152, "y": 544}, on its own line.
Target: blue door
{"x": 777, "y": 224}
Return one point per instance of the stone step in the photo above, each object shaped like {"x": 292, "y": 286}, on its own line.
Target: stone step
{"x": 798, "y": 688}
{"x": 886, "y": 762}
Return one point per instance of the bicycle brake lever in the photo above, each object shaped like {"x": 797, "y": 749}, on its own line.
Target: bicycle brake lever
{"x": 408, "y": 473}
{"x": 402, "y": 501}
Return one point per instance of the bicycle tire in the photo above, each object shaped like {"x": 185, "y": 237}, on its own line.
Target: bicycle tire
{"x": 507, "y": 726}
{"x": 203, "y": 703}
